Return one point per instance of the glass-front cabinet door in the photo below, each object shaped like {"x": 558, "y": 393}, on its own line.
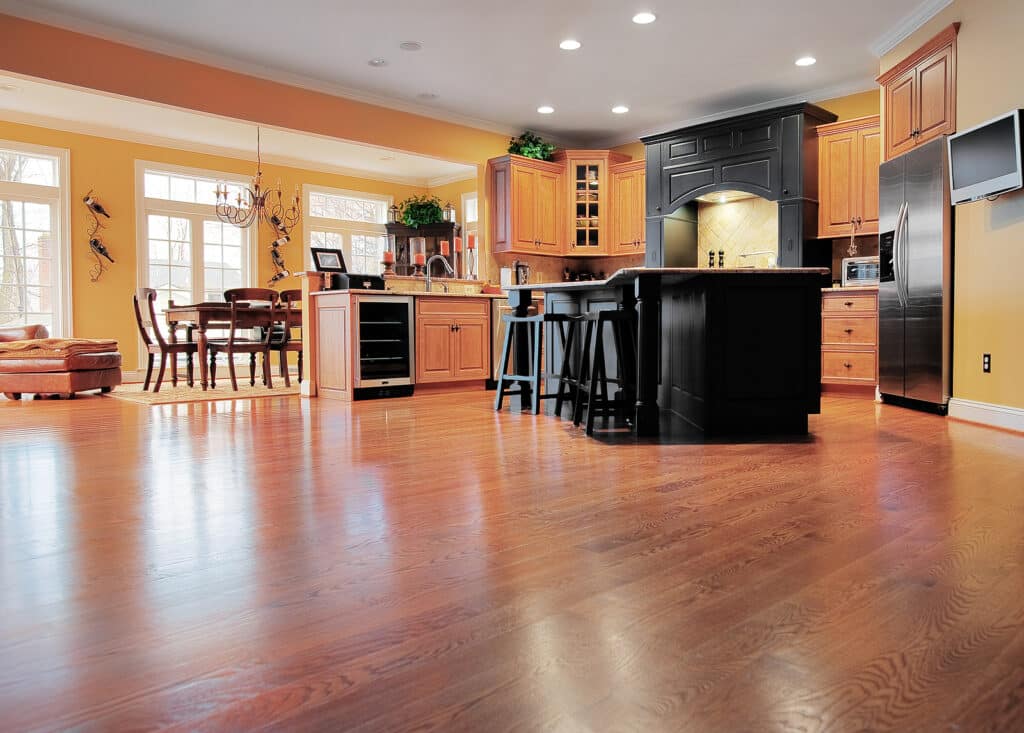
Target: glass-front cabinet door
{"x": 589, "y": 204}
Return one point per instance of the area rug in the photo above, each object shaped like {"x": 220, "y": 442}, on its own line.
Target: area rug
{"x": 170, "y": 395}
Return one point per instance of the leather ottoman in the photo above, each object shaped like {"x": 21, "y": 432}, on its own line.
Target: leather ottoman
{"x": 59, "y": 375}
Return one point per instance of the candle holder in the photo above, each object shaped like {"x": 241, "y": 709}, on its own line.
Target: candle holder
{"x": 418, "y": 271}
{"x": 387, "y": 267}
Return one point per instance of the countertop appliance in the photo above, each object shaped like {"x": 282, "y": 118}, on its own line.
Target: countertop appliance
{"x": 986, "y": 160}
{"x": 916, "y": 276}
{"x": 860, "y": 271}
{"x": 384, "y": 347}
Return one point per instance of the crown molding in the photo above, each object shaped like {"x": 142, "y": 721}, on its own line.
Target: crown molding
{"x": 141, "y": 138}
{"x": 906, "y": 27}
{"x": 451, "y": 178}
{"x": 45, "y": 16}
{"x": 841, "y": 90}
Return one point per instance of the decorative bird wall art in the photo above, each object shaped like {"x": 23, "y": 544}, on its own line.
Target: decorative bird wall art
{"x": 96, "y": 246}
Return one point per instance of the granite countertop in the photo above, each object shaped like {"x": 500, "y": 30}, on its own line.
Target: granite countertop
{"x": 851, "y": 288}
{"x": 417, "y": 294}
{"x": 628, "y": 274}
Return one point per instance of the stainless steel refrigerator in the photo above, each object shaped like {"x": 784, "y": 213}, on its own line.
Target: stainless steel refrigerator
{"x": 916, "y": 274}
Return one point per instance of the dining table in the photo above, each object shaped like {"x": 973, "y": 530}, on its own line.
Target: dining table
{"x": 198, "y": 317}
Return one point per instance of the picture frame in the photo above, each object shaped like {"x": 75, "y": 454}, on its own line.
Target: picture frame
{"x": 328, "y": 260}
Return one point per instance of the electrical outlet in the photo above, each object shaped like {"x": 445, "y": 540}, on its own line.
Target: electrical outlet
{"x": 986, "y": 363}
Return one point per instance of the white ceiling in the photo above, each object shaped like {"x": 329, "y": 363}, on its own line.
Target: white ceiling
{"x": 494, "y": 62}
{"x": 77, "y": 110}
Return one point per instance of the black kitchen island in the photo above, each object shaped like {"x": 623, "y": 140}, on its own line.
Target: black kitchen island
{"x": 728, "y": 351}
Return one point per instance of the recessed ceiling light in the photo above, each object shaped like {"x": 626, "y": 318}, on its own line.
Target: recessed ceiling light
{"x": 410, "y": 45}
{"x": 378, "y": 62}
{"x": 620, "y": 109}
{"x": 427, "y": 96}
{"x": 644, "y": 18}
{"x": 545, "y": 109}
{"x": 569, "y": 44}
{"x": 806, "y": 61}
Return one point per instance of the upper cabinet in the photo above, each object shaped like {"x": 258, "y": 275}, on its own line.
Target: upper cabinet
{"x": 920, "y": 94}
{"x": 628, "y": 183}
{"x": 527, "y": 203}
{"x": 579, "y": 204}
{"x": 588, "y": 198}
{"x": 849, "y": 154}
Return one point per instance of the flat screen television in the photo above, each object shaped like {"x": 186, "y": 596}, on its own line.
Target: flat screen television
{"x": 986, "y": 160}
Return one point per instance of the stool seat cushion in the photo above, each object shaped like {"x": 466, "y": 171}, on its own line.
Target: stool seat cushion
{"x": 30, "y": 364}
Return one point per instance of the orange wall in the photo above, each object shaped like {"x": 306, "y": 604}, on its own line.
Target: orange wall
{"x": 988, "y": 308}
{"x": 63, "y": 56}
{"x": 103, "y": 309}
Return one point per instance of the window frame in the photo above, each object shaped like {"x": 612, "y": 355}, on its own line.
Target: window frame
{"x": 343, "y": 227}
{"x": 59, "y": 197}
{"x": 164, "y": 207}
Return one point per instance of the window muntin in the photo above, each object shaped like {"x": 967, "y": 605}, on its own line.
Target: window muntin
{"x": 351, "y": 221}
{"x": 34, "y": 282}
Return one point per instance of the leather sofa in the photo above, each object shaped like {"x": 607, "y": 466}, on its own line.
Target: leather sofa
{"x": 55, "y": 375}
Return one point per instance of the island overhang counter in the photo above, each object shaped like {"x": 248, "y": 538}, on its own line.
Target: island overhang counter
{"x": 728, "y": 351}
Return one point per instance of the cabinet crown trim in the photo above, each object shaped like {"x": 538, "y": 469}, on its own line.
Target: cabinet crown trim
{"x": 945, "y": 37}
{"x": 860, "y": 123}
{"x": 523, "y": 161}
{"x": 610, "y": 156}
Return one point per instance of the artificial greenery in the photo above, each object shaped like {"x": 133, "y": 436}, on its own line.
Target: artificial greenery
{"x": 531, "y": 146}
{"x": 419, "y": 211}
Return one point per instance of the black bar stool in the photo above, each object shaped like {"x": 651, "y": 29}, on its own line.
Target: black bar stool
{"x": 534, "y": 376}
{"x": 592, "y": 385}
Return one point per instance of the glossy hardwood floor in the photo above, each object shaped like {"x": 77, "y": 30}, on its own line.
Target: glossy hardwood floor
{"x": 427, "y": 564}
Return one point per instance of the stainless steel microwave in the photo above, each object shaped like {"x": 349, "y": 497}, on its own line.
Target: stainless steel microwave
{"x": 860, "y": 271}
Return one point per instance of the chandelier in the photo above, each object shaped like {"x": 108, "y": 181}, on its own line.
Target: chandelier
{"x": 254, "y": 204}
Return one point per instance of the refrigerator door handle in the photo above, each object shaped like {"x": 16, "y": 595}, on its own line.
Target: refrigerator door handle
{"x": 897, "y": 254}
{"x": 905, "y": 254}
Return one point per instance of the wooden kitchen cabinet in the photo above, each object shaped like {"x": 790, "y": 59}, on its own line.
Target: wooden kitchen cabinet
{"x": 526, "y": 205}
{"x": 588, "y": 200}
{"x": 452, "y": 339}
{"x": 920, "y": 95}
{"x": 628, "y": 185}
{"x": 849, "y": 337}
{"x": 849, "y": 154}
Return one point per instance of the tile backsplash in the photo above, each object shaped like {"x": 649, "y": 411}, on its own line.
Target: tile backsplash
{"x": 737, "y": 227}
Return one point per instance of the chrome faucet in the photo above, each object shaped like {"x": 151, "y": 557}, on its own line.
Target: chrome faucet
{"x": 447, "y": 266}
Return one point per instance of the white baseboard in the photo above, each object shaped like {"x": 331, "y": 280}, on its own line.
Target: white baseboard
{"x": 997, "y": 416}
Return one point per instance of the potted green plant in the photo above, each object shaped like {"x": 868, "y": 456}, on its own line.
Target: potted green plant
{"x": 418, "y": 211}
{"x": 530, "y": 145}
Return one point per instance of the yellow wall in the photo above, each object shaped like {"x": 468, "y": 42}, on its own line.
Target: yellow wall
{"x": 988, "y": 307}
{"x": 853, "y": 106}
{"x": 103, "y": 309}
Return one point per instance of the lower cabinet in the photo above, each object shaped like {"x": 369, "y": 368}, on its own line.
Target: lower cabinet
{"x": 452, "y": 339}
{"x": 849, "y": 337}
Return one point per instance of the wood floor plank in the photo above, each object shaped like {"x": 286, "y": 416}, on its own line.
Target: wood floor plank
{"x": 429, "y": 564}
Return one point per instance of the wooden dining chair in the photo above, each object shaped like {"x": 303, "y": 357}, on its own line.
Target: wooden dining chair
{"x": 255, "y": 318}
{"x": 145, "y": 316}
{"x": 284, "y": 339}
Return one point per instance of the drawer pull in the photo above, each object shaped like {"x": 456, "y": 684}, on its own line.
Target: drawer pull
{"x": 848, "y": 303}
{"x": 848, "y": 330}
{"x": 848, "y": 365}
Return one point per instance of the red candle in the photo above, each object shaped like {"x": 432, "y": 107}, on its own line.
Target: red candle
{"x": 444, "y": 247}
{"x": 458, "y": 244}
{"x": 420, "y": 259}
{"x": 389, "y": 257}
{"x": 472, "y": 241}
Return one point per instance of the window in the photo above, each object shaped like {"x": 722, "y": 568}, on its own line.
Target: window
{"x": 350, "y": 221}
{"x": 187, "y": 254}
{"x": 35, "y": 283}
{"x": 469, "y": 211}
